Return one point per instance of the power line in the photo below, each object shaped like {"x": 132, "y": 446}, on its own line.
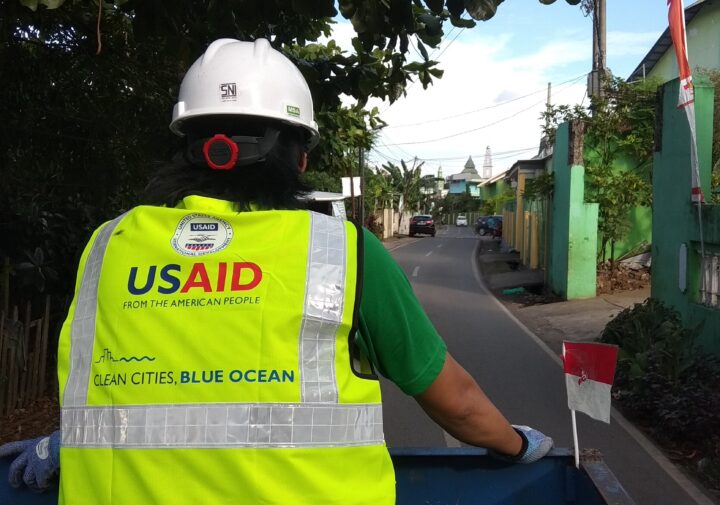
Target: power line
{"x": 393, "y": 147}
{"x": 569, "y": 81}
{"x": 469, "y": 131}
{"x": 472, "y": 129}
{"x": 497, "y": 155}
{"x": 453, "y": 40}
{"x": 386, "y": 156}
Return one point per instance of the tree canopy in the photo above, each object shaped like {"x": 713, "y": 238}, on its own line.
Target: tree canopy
{"x": 86, "y": 90}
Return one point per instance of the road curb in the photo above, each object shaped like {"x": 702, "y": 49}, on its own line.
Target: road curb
{"x": 700, "y": 497}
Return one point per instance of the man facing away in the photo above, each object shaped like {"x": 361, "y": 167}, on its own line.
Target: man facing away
{"x": 223, "y": 343}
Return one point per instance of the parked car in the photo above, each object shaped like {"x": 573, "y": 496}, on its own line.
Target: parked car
{"x": 422, "y": 224}
{"x": 489, "y": 225}
{"x": 461, "y": 220}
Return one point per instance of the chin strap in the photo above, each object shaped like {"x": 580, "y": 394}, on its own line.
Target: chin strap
{"x": 221, "y": 152}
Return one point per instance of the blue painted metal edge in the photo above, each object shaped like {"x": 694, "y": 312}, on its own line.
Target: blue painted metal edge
{"x": 462, "y": 451}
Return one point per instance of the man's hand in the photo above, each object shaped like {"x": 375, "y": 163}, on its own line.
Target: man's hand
{"x": 535, "y": 446}
{"x": 38, "y": 461}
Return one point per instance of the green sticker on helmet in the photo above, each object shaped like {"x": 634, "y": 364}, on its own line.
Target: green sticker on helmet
{"x": 293, "y": 111}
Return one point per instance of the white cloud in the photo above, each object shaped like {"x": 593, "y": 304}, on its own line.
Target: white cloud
{"x": 342, "y": 34}
{"x": 497, "y": 100}
{"x": 630, "y": 44}
{"x": 476, "y": 82}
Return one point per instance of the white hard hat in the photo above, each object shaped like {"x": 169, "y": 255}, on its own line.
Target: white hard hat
{"x": 245, "y": 79}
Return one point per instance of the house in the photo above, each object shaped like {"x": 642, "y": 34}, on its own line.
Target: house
{"x": 467, "y": 181}
{"x": 702, "y": 20}
{"x": 524, "y": 229}
{"x": 493, "y": 189}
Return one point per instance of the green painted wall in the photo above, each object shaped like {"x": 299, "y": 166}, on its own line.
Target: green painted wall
{"x": 675, "y": 219}
{"x": 573, "y": 232}
{"x": 490, "y": 191}
{"x": 559, "y": 232}
{"x": 640, "y": 234}
{"x": 640, "y": 218}
{"x": 582, "y": 247}
{"x": 703, "y": 34}
{"x": 485, "y": 192}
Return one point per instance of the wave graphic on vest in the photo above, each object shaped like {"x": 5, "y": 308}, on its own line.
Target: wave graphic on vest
{"x": 107, "y": 356}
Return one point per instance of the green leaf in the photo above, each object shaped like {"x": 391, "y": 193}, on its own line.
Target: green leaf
{"x": 347, "y": 8}
{"x": 422, "y": 49}
{"x": 455, "y": 7}
{"x": 461, "y": 22}
{"x": 30, "y": 4}
{"x": 435, "y": 6}
{"x": 415, "y": 66}
{"x": 315, "y": 8}
{"x": 433, "y": 25}
{"x": 52, "y": 4}
{"x": 482, "y": 10}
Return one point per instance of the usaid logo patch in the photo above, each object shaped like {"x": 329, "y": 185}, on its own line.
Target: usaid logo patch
{"x": 199, "y": 234}
{"x": 204, "y": 227}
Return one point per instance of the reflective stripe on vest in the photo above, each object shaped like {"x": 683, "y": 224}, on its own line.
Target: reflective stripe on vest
{"x": 319, "y": 421}
{"x": 223, "y": 426}
{"x": 323, "y": 308}
{"x": 83, "y": 323}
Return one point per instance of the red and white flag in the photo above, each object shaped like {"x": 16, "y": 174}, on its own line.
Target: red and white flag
{"x": 686, "y": 100}
{"x": 589, "y": 373}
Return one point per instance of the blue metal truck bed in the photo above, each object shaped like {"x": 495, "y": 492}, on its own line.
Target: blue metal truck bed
{"x": 457, "y": 476}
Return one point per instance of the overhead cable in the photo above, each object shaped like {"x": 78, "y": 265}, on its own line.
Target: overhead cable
{"x": 500, "y": 104}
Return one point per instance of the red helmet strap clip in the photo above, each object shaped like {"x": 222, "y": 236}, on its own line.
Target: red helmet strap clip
{"x": 221, "y": 152}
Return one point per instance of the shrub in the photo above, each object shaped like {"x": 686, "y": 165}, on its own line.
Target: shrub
{"x": 662, "y": 376}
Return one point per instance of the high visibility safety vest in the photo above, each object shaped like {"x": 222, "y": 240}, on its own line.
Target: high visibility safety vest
{"x": 206, "y": 359}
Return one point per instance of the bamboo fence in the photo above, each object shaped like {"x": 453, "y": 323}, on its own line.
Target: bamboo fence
{"x": 23, "y": 357}
{"x": 23, "y": 351}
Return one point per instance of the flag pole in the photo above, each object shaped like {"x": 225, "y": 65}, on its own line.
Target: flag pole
{"x": 575, "y": 440}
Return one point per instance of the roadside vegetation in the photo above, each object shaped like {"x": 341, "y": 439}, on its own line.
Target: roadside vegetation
{"x": 714, "y": 77}
{"x": 667, "y": 385}
{"x": 618, "y": 150}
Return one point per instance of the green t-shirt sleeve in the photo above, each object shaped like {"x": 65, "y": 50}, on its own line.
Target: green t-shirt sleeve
{"x": 394, "y": 331}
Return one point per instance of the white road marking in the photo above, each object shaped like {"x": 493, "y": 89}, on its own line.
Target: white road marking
{"x": 415, "y": 271}
{"x": 439, "y": 246}
{"x": 429, "y": 253}
{"x": 450, "y": 441}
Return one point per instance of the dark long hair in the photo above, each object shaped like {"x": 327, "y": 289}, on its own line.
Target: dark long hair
{"x": 271, "y": 184}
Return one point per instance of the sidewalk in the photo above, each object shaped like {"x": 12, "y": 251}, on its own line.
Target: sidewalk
{"x": 550, "y": 318}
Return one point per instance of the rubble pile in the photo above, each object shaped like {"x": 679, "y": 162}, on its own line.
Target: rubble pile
{"x": 621, "y": 277}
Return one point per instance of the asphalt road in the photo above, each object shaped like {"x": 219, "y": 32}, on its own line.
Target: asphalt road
{"x": 515, "y": 371}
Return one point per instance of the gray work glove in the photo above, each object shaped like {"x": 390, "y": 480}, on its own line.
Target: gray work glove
{"x": 535, "y": 446}
{"x": 38, "y": 461}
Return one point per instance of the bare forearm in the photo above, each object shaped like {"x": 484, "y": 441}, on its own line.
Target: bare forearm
{"x": 460, "y": 407}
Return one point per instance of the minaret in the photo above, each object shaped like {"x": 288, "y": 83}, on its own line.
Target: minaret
{"x": 440, "y": 179}
{"x": 487, "y": 165}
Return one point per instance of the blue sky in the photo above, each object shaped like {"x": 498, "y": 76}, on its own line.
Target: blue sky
{"x": 495, "y": 82}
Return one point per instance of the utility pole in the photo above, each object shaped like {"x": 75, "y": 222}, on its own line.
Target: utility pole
{"x": 361, "y": 162}
{"x": 548, "y": 105}
{"x": 599, "y": 67}
{"x": 352, "y": 193}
